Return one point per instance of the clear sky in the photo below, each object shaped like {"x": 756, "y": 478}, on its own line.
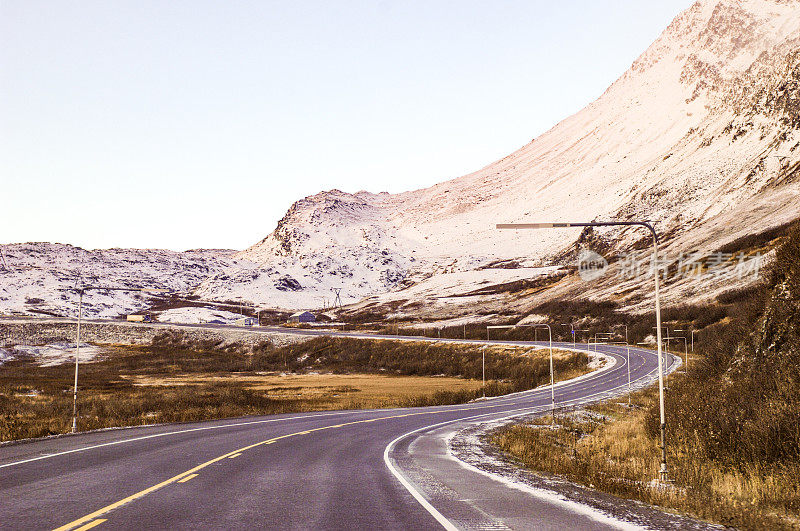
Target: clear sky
{"x": 184, "y": 124}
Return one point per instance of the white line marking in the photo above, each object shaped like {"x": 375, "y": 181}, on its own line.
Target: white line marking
{"x": 164, "y": 434}
{"x": 447, "y": 524}
{"x": 496, "y": 400}
{"x": 550, "y": 497}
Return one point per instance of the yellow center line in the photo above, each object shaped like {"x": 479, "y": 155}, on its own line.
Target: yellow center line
{"x": 91, "y": 524}
{"x": 234, "y": 455}
{"x": 189, "y": 474}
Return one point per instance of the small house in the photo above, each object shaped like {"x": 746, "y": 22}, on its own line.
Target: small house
{"x": 246, "y": 321}
{"x": 140, "y": 318}
{"x": 302, "y": 317}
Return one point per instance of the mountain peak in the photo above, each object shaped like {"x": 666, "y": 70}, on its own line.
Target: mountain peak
{"x": 660, "y": 144}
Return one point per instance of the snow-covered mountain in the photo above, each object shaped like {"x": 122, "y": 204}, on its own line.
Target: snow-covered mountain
{"x": 41, "y": 277}
{"x": 686, "y": 137}
{"x": 700, "y": 135}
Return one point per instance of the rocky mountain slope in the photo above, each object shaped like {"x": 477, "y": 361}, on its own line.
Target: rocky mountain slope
{"x": 41, "y": 277}
{"x": 700, "y": 136}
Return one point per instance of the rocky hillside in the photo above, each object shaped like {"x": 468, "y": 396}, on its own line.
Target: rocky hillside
{"x": 699, "y": 135}
{"x": 41, "y": 277}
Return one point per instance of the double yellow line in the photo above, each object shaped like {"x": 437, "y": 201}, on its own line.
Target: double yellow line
{"x": 92, "y": 519}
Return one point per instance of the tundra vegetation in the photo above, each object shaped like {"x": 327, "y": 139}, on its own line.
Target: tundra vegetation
{"x": 733, "y": 422}
{"x": 176, "y": 379}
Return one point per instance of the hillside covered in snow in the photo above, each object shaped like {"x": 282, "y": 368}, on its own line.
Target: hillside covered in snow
{"x": 40, "y": 278}
{"x": 700, "y": 136}
{"x": 700, "y": 133}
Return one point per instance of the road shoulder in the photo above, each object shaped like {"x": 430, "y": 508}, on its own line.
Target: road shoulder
{"x": 470, "y": 447}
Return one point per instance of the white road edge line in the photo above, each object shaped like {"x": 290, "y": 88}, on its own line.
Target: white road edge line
{"x": 234, "y": 425}
{"x": 549, "y": 496}
{"x": 164, "y": 434}
{"x": 500, "y": 398}
{"x": 447, "y": 524}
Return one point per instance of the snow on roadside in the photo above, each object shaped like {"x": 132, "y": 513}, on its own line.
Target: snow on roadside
{"x": 53, "y": 354}
{"x": 194, "y": 315}
{"x": 5, "y": 355}
{"x": 597, "y": 360}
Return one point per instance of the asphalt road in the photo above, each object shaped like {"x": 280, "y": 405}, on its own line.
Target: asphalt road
{"x": 326, "y": 470}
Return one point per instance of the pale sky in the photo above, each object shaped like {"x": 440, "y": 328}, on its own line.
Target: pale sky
{"x": 185, "y": 124}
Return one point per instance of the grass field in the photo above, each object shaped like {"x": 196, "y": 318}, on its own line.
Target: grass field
{"x": 175, "y": 380}
{"x": 607, "y": 446}
{"x": 732, "y": 422}
{"x": 339, "y": 391}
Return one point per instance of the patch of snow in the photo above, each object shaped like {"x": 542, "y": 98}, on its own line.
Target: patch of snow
{"x": 58, "y": 353}
{"x": 5, "y": 355}
{"x": 195, "y": 315}
{"x": 683, "y": 138}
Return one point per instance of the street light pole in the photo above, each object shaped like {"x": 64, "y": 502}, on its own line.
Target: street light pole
{"x": 572, "y": 327}
{"x": 666, "y": 339}
{"x": 628, "y": 353}
{"x": 77, "y": 355}
{"x": 596, "y": 343}
{"x": 663, "y": 471}
{"x": 552, "y": 377}
{"x": 685, "y": 349}
{"x": 81, "y": 291}
{"x": 626, "y": 330}
{"x": 483, "y": 369}
{"x": 550, "y": 336}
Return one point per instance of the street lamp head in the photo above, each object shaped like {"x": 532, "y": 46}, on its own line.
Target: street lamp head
{"x": 532, "y": 225}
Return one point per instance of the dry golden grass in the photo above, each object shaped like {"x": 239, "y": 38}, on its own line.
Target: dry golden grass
{"x": 175, "y": 381}
{"x": 607, "y": 447}
{"x": 345, "y": 391}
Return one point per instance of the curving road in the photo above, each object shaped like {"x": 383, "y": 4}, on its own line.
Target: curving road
{"x": 369, "y": 469}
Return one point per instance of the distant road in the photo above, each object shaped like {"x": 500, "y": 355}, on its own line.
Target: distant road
{"x": 309, "y": 332}
{"x": 367, "y": 469}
